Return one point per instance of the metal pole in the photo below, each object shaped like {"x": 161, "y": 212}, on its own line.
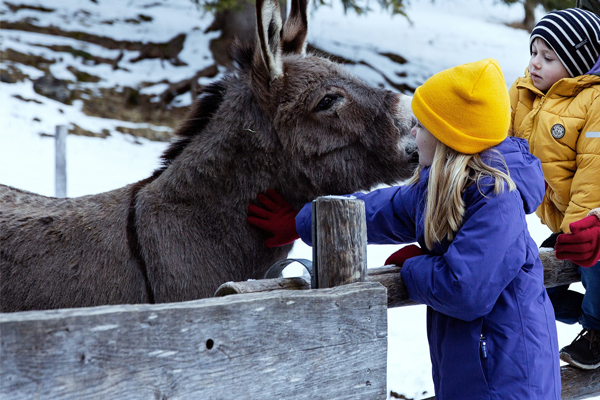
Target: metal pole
{"x": 60, "y": 176}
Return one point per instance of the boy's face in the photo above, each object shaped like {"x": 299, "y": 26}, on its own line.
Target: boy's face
{"x": 545, "y": 66}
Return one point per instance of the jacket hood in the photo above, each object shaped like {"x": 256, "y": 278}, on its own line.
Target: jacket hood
{"x": 524, "y": 169}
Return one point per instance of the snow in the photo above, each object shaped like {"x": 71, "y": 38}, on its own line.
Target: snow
{"x": 437, "y": 35}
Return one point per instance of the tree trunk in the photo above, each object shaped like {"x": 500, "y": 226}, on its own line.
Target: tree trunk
{"x": 529, "y": 20}
{"x": 240, "y": 22}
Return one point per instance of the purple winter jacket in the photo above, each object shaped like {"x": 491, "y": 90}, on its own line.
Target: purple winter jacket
{"x": 490, "y": 324}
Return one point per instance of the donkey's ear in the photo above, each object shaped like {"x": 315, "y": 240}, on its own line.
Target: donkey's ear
{"x": 296, "y": 26}
{"x": 268, "y": 24}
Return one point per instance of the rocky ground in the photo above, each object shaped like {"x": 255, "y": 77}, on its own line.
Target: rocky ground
{"x": 106, "y": 63}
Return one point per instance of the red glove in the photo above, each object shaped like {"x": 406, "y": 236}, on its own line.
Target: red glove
{"x": 582, "y": 245}
{"x": 275, "y": 216}
{"x": 404, "y": 254}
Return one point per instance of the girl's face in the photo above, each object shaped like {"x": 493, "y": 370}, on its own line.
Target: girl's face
{"x": 545, "y": 66}
{"x": 426, "y": 144}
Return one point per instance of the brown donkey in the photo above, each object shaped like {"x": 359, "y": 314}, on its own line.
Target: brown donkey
{"x": 284, "y": 119}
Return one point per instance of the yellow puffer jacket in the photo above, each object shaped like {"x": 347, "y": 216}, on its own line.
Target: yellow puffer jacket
{"x": 563, "y": 131}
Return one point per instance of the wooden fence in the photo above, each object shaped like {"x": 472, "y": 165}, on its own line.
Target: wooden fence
{"x": 576, "y": 383}
{"x": 268, "y": 343}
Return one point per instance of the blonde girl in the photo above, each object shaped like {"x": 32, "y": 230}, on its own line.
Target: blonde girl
{"x": 490, "y": 324}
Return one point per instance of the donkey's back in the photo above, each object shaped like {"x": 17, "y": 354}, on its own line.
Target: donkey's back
{"x": 58, "y": 252}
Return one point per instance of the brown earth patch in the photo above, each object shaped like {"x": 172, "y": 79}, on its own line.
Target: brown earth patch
{"x": 148, "y": 133}
{"x": 128, "y": 104}
{"x": 18, "y": 96}
{"x": 82, "y": 76}
{"x": 79, "y": 131}
{"x": 11, "y": 74}
{"x": 17, "y": 7}
{"x": 106, "y": 42}
{"x": 39, "y": 62}
{"x": 398, "y": 59}
{"x": 85, "y": 56}
{"x": 168, "y": 50}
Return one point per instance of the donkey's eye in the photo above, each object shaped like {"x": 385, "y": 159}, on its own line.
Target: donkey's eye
{"x": 326, "y": 102}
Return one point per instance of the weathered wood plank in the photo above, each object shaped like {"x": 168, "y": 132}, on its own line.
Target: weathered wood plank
{"x": 262, "y": 285}
{"x": 579, "y": 384}
{"x": 321, "y": 344}
{"x": 389, "y": 276}
{"x": 340, "y": 230}
{"x": 558, "y": 272}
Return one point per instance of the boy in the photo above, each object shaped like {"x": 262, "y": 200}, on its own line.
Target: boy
{"x": 556, "y": 107}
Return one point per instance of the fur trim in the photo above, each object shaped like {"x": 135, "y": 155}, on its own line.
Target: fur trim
{"x": 596, "y": 212}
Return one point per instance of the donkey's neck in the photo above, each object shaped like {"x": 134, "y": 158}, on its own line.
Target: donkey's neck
{"x": 219, "y": 170}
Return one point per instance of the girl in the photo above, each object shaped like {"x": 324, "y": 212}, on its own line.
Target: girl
{"x": 490, "y": 324}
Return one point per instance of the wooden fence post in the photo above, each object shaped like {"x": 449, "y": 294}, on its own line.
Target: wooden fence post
{"x": 60, "y": 175}
{"x": 339, "y": 241}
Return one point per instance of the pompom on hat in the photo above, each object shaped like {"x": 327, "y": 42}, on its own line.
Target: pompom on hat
{"x": 574, "y": 35}
{"x": 466, "y": 107}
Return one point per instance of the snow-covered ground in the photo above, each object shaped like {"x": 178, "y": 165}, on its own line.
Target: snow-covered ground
{"x": 439, "y": 35}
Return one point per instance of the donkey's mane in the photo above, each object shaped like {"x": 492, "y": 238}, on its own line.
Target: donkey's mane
{"x": 242, "y": 54}
{"x": 202, "y": 112}
{"x": 206, "y": 106}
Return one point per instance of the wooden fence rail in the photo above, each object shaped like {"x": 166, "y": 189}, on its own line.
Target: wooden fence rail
{"x": 556, "y": 272}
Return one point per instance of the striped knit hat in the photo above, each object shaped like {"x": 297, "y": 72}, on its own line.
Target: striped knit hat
{"x": 574, "y": 35}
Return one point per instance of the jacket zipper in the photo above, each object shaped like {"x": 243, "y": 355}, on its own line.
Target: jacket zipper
{"x": 484, "y": 357}
{"x": 484, "y": 351}
{"x": 536, "y": 120}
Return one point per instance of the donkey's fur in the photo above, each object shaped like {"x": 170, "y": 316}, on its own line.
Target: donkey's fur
{"x": 285, "y": 120}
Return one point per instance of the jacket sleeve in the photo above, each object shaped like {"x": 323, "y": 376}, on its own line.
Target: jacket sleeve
{"x": 484, "y": 257}
{"x": 585, "y": 187}
{"x": 389, "y": 213}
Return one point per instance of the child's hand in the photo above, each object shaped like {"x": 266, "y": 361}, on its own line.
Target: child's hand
{"x": 582, "y": 245}
{"x": 275, "y": 216}
{"x": 404, "y": 254}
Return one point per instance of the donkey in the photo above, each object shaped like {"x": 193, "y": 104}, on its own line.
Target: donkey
{"x": 284, "y": 119}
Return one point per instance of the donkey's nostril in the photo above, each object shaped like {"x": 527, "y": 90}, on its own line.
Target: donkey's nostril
{"x": 411, "y": 148}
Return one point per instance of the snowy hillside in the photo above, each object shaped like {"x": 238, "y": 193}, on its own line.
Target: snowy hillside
{"x": 100, "y": 64}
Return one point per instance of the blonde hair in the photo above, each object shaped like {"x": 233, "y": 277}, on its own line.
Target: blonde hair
{"x": 450, "y": 173}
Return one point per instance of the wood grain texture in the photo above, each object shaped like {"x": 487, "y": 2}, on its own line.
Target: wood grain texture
{"x": 558, "y": 272}
{"x": 341, "y": 241}
{"x": 579, "y": 384}
{"x": 317, "y": 344}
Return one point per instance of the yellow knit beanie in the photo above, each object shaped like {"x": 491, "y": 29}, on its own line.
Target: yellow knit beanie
{"x": 465, "y": 107}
